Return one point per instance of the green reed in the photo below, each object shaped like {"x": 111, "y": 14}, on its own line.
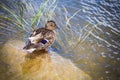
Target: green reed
{"x": 21, "y": 22}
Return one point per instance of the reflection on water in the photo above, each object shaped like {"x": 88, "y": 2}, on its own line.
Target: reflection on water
{"x": 89, "y": 32}
{"x": 41, "y": 58}
{"x": 40, "y": 65}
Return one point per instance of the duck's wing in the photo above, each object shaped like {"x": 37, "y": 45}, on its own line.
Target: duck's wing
{"x": 36, "y": 36}
{"x": 37, "y": 31}
{"x": 49, "y": 39}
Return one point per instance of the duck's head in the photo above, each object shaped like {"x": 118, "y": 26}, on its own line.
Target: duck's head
{"x": 51, "y": 25}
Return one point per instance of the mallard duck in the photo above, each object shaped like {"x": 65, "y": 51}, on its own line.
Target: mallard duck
{"x": 41, "y": 38}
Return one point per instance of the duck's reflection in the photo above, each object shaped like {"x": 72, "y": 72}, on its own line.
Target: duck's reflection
{"x": 35, "y": 61}
{"x": 40, "y": 53}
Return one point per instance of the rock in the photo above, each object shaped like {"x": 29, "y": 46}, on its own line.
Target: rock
{"x": 16, "y": 64}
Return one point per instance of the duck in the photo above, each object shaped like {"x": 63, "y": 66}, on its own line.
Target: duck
{"x": 41, "y": 38}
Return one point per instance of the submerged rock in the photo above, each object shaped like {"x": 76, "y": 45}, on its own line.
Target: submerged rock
{"x": 15, "y": 64}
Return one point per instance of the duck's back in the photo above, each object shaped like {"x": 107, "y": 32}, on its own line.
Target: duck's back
{"x": 48, "y": 35}
{"x": 43, "y": 31}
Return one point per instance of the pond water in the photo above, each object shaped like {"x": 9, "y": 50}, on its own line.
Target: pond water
{"x": 89, "y": 33}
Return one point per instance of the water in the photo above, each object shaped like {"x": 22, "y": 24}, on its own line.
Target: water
{"x": 89, "y": 32}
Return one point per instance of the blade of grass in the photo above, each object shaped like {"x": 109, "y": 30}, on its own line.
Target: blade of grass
{"x": 67, "y": 22}
{"x": 3, "y": 34}
{"x": 21, "y": 6}
{"x": 84, "y": 38}
{"x": 51, "y": 13}
{"x": 13, "y": 21}
{"x": 38, "y": 15}
{"x": 51, "y": 9}
{"x": 15, "y": 16}
{"x": 82, "y": 30}
{"x": 53, "y": 2}
{"x": 43, "y": 9}
{"x": 1, "y": 26}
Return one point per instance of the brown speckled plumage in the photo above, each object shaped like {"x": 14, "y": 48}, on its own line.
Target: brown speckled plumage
{"x": 47, "y": 34}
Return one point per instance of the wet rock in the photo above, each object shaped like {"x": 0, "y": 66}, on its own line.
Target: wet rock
{"x": 16, "y": 64}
